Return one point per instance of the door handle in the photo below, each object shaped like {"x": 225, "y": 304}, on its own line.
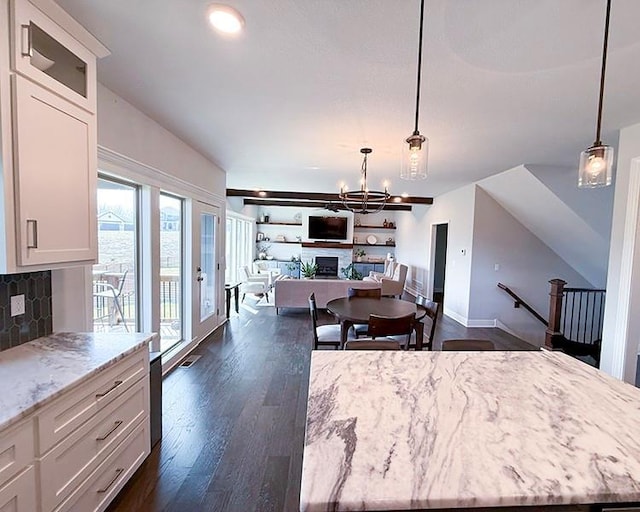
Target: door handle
{"x": 199, "y": 278}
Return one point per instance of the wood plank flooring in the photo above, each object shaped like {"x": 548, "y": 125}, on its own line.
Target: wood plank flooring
{"x": 233, "y": 423}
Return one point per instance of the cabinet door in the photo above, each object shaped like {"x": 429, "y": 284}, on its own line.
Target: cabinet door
{"x": 55, "y": 163}
{"x": 51, "y": 57}
{"x": 19, "y": 495}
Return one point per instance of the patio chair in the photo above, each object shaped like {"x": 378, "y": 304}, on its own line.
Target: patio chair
{"x": 104, "y": 291}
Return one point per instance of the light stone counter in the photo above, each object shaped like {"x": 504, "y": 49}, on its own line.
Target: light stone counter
{"x": 410, "y": 430}
{"x": 33, "y": 374}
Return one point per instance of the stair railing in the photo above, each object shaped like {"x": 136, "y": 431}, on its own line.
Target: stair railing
{"x": 575, "y": 314}
{"x": 519, "y": 302}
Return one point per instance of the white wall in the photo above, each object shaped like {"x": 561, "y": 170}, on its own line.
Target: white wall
{"x": 414, "y": 239}
{"x": 622, "y": 309}
{"x": 526, "y": 265}
{"x": 125, "y": 130}
{"x": 594, "y": 205}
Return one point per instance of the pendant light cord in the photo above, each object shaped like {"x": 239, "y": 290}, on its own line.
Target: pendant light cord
{"x": 602, "y": 72}
{"x": 415, "y": 131}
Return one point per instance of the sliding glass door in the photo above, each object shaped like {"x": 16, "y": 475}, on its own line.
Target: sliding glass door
{"x": 115, "y": 276}
{"x": 171, "y": 270}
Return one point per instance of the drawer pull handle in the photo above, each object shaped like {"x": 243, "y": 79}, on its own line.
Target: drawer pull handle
{"x": 119, "y": 471}
{"x": 105, "y": 393}
{"x": 113, "y": 429}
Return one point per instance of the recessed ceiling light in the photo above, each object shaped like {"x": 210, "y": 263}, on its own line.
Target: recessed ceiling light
{"x": 225, "y": 19}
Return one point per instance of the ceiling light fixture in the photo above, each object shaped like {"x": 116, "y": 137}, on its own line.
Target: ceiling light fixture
{"x": 225, "y": 19}
{"x": 596, "y": 162}
{"x": 364, "y": 201}
{"x": 416, "y": 150}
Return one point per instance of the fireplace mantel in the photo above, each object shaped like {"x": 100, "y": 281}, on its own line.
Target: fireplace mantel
{"x": 327, "y": 245}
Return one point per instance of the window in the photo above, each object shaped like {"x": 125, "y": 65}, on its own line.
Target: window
{"x": 171, "y": 271}
{"x": 115, "y": 277}
{"x": 239, "y": 246}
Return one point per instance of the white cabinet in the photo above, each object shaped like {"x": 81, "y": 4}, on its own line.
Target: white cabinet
{"x": 48, "y": 138}
{"x": 76, "y": 452}
{"x": 54, "y": 147}
{"x": 50, "y": 56}
{"x": 92, "y": 439}
{"x": 18, "y": 495}
{"x": 17, "y": 473}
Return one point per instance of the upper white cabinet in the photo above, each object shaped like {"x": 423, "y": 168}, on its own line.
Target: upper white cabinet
{"x": 50, "y": 56}
{"x": 48, "y": 133}
{"x": 54, "y": 146}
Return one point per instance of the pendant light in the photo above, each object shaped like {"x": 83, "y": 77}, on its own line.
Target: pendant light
{"x": 364, "y": 201}
{"x": 596, "y": 162}
{"x": 416, "y": 150}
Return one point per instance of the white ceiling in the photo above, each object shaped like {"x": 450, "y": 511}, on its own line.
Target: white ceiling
{"x": 288, "y": 104}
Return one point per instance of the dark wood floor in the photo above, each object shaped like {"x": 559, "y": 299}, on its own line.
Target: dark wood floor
{"x": 234, "y": 421}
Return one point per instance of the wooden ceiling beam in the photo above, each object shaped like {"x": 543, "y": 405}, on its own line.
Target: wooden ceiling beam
{"x": 319, "y": 204}
{"x": 315, "y": 196}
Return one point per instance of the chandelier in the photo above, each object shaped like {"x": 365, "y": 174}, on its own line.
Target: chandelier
{"x": 596, "y": 162}
{"x": 364, "y": 201}
{"x": 416, "y": 150}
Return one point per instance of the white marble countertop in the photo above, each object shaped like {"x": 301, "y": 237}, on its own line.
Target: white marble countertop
{"x": 409, "y": 430}
{"x": 36, "y": 372}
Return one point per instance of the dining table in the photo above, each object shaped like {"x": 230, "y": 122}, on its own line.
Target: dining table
{"x": 356, "y": 310}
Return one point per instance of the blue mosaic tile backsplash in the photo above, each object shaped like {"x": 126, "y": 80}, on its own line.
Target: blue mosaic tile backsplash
{"x": 37, "y": 319}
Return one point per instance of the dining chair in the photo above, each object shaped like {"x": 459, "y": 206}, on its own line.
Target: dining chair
{"x": 371, "y": 345}
{"x": 389, "y": 330}
{"x": 428, "y": 315}
{"x": 467, "y": 345}
{"x": 105, "y": 291}
{"x": 371, "y": 293}
{"x": 322, "y": 334}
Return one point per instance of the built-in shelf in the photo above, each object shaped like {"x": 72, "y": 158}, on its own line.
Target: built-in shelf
{"x": 280, "y": 223}
{"x": 376, "y": 245}
{"x": 373, "y": 227}
{"x": 327, "y": 245}
{"x": 277, "y": 242}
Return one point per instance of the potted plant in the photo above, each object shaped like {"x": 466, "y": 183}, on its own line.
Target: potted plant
{"x": 359, "y": 253}
{"x": 308, "y": 270}
{"x": 350, "y": 272}
{"x": 262, "y": 251}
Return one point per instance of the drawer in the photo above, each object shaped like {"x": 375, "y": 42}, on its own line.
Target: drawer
{"x": 16, "y": 450}
{"x": 97, "y": 491}
{"x": 67, "y": 413}
{"x": 19, "y": 495}
{"x": 64, "y": 468}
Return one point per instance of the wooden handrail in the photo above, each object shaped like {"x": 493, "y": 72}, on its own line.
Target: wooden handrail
{"x": 578, "y": 290}
{"x": 519, "y": 302}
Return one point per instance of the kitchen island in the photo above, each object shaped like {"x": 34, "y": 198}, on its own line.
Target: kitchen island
{"x": 457, "y": 430}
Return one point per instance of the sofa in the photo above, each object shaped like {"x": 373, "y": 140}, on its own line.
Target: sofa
{"x": 294, "y": 293}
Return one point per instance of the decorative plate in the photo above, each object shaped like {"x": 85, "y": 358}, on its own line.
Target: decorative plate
{"x": 371, "y": 239}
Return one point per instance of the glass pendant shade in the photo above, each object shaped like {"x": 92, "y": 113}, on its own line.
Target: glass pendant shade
{"x": 415, "y": 154}
{"x": 596, "y": 164}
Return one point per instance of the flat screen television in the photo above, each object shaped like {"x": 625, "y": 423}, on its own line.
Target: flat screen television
{"x": 327, "y": 228}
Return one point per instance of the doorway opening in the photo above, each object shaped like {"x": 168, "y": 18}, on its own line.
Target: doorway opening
{"x": 439, "y": 261}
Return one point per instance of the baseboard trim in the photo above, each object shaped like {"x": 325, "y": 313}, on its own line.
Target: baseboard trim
{"x": 481, "y": 323}
{"x": 455, "y": 316}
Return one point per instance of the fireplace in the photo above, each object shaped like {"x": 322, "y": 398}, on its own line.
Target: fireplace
{"x": 327, "y": 266}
